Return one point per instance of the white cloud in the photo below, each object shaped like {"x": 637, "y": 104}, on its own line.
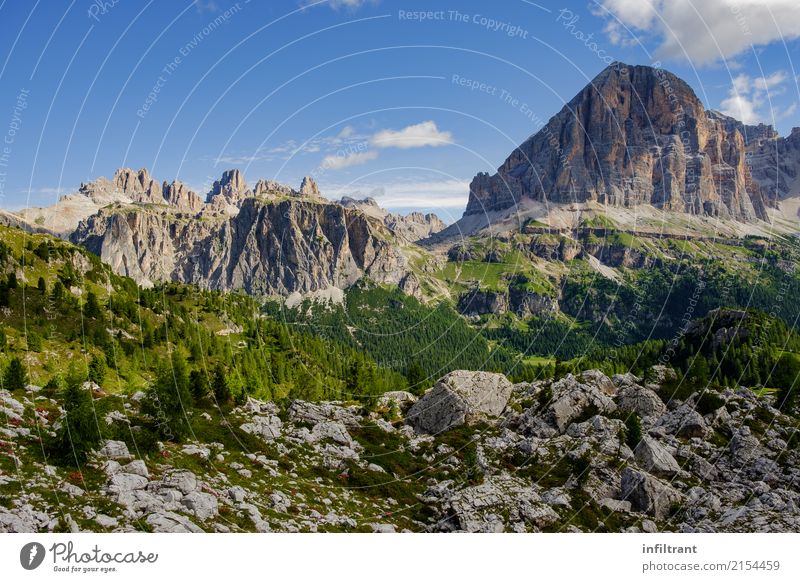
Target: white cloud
{"x": 208, "y": 6}
{"x": 748, "y": 96}
{"x": 339, "y": 162}
{"x": 434, "y": 194}
{"x": 347, "y": 131}
{"x": 338, "y": 4}
{"x": 414, "y": 136}
{"x": 704, "y": 31}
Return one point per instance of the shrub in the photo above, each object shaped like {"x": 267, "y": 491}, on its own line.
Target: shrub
{"x": 633, "y": 430}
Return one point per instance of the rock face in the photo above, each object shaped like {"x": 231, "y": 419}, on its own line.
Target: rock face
{"x": 309, "y": 188}
{"x": 265, "y": 248}
{"x": 458, "y": 398}
{"x": 635, "y": 135}
{"x": 408, "y": 228}
{"x": 177, "y": 194}
{"x": 272, "y": 240}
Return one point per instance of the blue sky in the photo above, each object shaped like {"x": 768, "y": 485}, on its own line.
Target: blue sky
{"x": 361, "y": 94}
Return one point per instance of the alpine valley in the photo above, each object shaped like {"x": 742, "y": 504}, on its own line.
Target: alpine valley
{"x": 605, "y": 341}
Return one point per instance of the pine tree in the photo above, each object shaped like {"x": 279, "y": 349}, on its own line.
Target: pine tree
{"x": 222, "y": 392}
{"x": 169, "y": 397}
{"x": 98, "y": 369}
{"x": 78, "y": 432}
{"x": 198, "y": 384}
{"x": 42, "y": 286}
{"x": 92, "y": 308}
{"x": 786, "y": 377}
{"x": 16, "y": 376}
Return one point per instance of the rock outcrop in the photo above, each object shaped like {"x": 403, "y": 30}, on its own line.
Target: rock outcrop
{"x": 460, "y": 398}
{"x": 408, "y": 228}
{"x": 635, "y": 135}
{"x": 550, "y": 455}
{"x": 266, "y": 248}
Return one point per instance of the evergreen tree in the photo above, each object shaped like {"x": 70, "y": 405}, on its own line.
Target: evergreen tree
{"x": 5, "y": 295}
{"x": 78, "y": 432}
{"x": 98, "y": 369}
{"x": 169, "y": 397}
{"x": 16, "y": 376}
{"x": 92, "y": 307}
{"x": 417, "y": 378}
{"x": 786, "y": 377}
{"x": 222, "y": 392}
{"x": 42, "y": 286}
{"x": 199, "y": 385}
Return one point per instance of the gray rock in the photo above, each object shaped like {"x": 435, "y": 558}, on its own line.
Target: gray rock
{"x": 683, "y": 421}
{"x": 314, "y": 412}
{"x": 600, "y": 381}
{"x": 615, "y": 505}
{"x": 480, "y": 508}
{"x": 655, "y": 459}
{"x": 114, "y": 450}
{"x": 571, "y": 400}
{"x": 266, "y": 427}
{"x": 196, "y": 451}
{"x": 122, "y": 482}
{"x": 136, "y": 467}
{"x": 237, "y": 494}
{"x": 648, "y": 494}
{"x": 403, "y": 400}
{"x": 180, "y": 479}
{"x": 334, "y": 431}
{"x": 203, "y": 505}
{"x": 106, "y": 521}
{"x": 170, "y": 522}
{"x": 639, "y": 400}
{"x": 460, "y": 397}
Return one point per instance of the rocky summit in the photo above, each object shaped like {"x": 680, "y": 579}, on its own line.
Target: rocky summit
{"x": 634, "y": 135}
{"x": 474, "y": 454}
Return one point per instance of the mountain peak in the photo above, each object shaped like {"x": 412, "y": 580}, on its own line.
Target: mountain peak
{"x": 634, "y": 135}
{"x": 309, "y": 188}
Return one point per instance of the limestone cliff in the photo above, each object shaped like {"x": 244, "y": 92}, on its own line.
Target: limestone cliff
{"x": 634, "y": 135}
{"x": 268, "y": 247}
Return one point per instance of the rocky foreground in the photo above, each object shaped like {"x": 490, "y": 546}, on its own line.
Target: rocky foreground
{"x": 475, "y": 454}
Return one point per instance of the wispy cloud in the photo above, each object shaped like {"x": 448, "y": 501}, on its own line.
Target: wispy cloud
{"x": 339, "y": 162}
{"x": 702, "y": 32}
{"x": 749, "y": 98}
{"x": 431, "y": 194}
{"x": 338, "y": 4}
{"x": 205, "y": 6}
{"x": 414, "y": 136}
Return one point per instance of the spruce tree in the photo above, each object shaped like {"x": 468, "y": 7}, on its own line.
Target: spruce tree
{"x": 169, "y": 398}
{"x": 78, "y": 432}
{"x": 222, "y": 393}
{"x": 16, "y": 376}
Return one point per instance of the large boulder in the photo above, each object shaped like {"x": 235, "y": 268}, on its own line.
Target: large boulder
{"x": 266, "y": 427}
{"x": 684, "y": 421}
{"x": 114, "y": 450}
{"x": 642, "y": 401}
{"x": 648, "y": 494}
{"x": 460, "y": 397}
{"x": 655, "y": 459}
{"x": 573, "y": 400}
